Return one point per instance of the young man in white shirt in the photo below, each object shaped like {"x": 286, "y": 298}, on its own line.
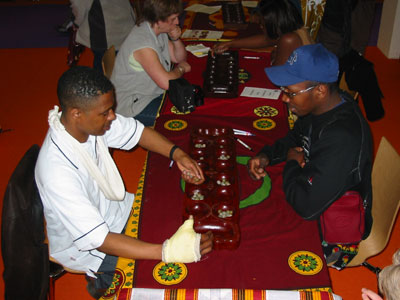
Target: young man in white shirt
{"x": 85, "y": 203}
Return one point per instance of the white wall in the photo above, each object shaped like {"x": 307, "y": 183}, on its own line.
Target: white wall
{"x": 389, "y": 30}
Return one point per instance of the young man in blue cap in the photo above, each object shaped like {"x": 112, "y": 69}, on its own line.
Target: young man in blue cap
{"x": 329, "y": 150}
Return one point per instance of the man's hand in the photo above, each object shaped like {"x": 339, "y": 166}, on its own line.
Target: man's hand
{"x": 185, "y": 66}
{"x": 186, "y": 245}
{"x": 220, "y": 48}
{"x": 191, "y": 172}
{"x": 367, "y": 294}
{"x": 256, "y": 166}
{"x": 206, "y": 242}
{"x": 297, "y": 154}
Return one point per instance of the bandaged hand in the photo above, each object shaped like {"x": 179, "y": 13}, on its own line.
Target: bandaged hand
{"x": 183, "y": 246}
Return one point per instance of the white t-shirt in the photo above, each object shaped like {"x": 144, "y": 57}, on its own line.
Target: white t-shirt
{"x": 78, "y": 215}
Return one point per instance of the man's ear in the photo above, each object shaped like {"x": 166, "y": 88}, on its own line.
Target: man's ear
{"x": 75, "y": 113}
{"x": 321, "y": 90}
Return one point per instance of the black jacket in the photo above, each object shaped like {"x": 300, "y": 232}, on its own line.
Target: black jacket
{"x": 360, "y": 76}
{"x": 338, "y": 147}
{"x": 25, "y": 255}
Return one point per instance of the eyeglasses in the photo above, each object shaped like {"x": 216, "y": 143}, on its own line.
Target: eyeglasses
{"x": 291, "y": 95}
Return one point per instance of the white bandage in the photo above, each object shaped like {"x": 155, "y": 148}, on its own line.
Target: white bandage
{"x": 183, "y": 246}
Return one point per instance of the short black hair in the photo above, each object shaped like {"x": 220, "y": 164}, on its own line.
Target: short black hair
{"x": 333, "y": 87}
{"x": 280, "y": 17}
{"x": 159, "y": 10}
{"x": 80, "y": 85}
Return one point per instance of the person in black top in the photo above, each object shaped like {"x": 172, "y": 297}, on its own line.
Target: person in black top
{"x": 283, "y": 29}
{"x": 329, "y": 150}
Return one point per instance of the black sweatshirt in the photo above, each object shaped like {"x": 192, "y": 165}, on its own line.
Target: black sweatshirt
{"x": 339, "y": 153}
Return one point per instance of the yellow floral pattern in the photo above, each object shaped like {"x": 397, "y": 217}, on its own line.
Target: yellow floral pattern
{"x": 305, "y": 263}
{"x": 175, "y": 125}
{"x": 174, "y": 110}
{"x": 169, "y": 273}
{"x": 265, "y": 111}
{"x": 264, "y": 124}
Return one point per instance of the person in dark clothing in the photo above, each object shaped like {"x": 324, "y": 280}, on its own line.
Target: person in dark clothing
{"x": 345, "y": 31}
{"x": 283, "y": 29}
{"x": 329, "y": 150}
{"x": 346, "y": 25}
{"x": 102, "y": 24}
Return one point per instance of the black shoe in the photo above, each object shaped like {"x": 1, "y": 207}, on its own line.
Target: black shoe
{"x": 65, "y": 27}
{"x": 91, "y": 288}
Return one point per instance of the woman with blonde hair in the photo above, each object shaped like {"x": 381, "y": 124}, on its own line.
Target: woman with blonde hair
{"x": 144, "y": 64}
{"x": 389, "y": 282}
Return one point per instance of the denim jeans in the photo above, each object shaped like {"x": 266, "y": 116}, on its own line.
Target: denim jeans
{"x": 106, "y": 272}
{"x": 97, "y": 57}
{"x": 148, "y": 115}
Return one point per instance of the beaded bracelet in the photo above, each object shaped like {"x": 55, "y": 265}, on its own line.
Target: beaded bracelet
{"x": 172, "y": 151}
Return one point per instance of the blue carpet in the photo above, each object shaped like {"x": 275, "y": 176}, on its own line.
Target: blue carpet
{"x": 32, "y": 26}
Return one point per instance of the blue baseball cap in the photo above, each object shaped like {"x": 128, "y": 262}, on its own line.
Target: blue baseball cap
{"x": 306, "y": 63}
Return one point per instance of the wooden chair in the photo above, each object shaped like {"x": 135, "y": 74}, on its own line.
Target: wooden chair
{"x": 56, "y": 271}
{"x": 343, "y": 86}
{"x": 108, "y": 61}
{"x": 385, "y": 203}
{"x": 54, "y": 275}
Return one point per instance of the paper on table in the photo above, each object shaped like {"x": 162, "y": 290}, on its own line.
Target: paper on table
{"x": 261, "y": 93}
{"x": 200, "y": 8}
{"x": 251, "y": 4}
{"x": 198, "y": 50}
{"x": 202, "y": 34}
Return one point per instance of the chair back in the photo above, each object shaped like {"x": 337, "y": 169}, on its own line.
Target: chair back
{"x": 343, "y": 86}
{"x": 385, "y": 203}
{"x": 108, "y": 61}
{"x": 25, "y": 255}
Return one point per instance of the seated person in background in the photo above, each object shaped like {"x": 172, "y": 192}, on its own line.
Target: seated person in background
{"x": 143, "y": 66}
{"x": 102, "y": 24}
{"x": 283, "y": 28}
{"x": 389, "y": 282}
{"x": 85, "y": 203}
{"x": 329, "y": 150}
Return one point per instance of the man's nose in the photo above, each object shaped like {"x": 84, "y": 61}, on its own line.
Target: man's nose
{"x": 285, "y": 98}
{"x": 111, "y": 115}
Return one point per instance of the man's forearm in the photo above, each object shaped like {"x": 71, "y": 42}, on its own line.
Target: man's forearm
{"x": 255, "y": 41}
{"x": 124, "y": 246}
{"x": 155, "y": 142}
